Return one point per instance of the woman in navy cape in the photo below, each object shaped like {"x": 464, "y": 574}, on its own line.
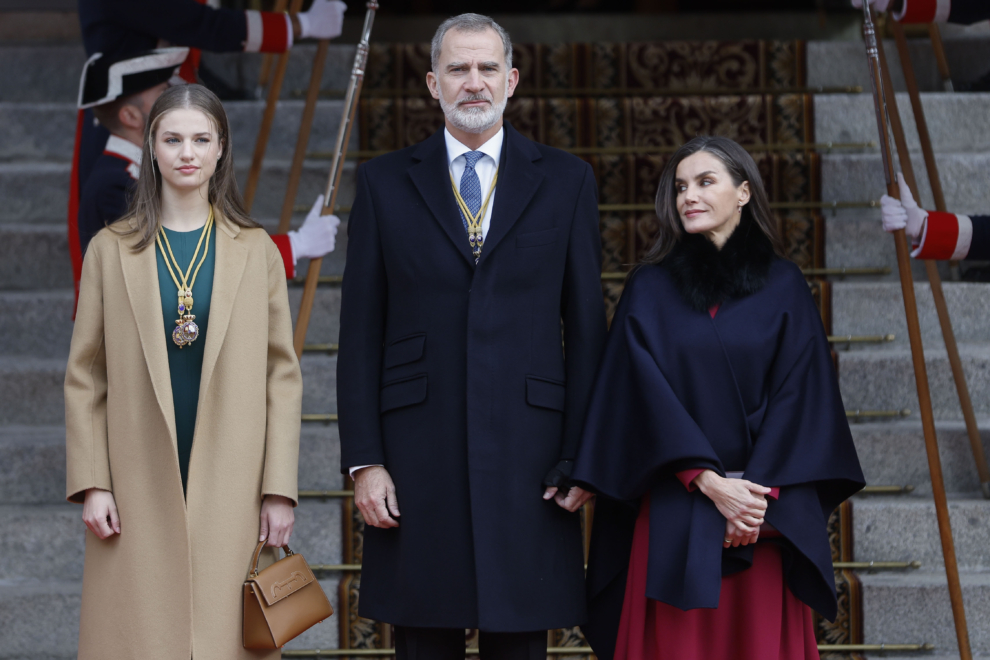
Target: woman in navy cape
{"x": 716, "y": 435}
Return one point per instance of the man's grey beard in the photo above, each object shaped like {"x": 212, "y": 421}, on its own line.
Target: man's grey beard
{"x": 473, "y": 120}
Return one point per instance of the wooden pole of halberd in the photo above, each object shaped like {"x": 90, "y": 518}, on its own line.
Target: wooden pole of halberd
{"x": 958, "y": 374}
{"x": 302, "y": 142}
{"x": 336, "y": 170}
{"x": 267, "y": 119}
{"x": 266, "y": 59}
{"x": 881, "y": 91}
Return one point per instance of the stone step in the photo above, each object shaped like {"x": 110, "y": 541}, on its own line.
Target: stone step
{"x": 884, "y": 380}
{"x": 913, "y": 608}
{"x": 956, "y": 122}
{"x": 33, "y": 469}
{"x": 839, "y": 63}
{"x": 46, "y": 541}
{"x": 31, "y": 388}
{"x": 893, "y": 454}
{"x": 40, "y": 620}
{"x": 47, "y": 131}
{"x": 904, "y": 528}
{"x": 38, "y": 323}
{"x": 38, "y": 193}
{"x": 859, "y": 178}
{"x": 36, "y": 256}
{"x": 31, "y": 391}
{"x": 854, "y": 238}
{"x": 864, "y": 308}
{"x": 924, "y": 655}
{"x": 319, "y": 383}
{"x": 50, "y": 73}
{"x": 324, "y": 324}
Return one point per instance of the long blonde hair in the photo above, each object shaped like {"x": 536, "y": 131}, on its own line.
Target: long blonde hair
{"x": 144, "y": 210}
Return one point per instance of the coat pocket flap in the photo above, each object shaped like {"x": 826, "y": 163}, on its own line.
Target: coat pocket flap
{"x": 404, "y": 351}
{"x": 283, "y": 578}
{"x": 545, "y": 393}
{"x": 534, "y": 238}
{"x": 405, "y": 392}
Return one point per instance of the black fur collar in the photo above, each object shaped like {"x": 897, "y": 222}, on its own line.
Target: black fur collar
{"x": 706, "y": 276}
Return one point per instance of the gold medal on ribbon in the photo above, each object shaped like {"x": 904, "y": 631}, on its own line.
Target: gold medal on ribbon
{"x": 186, "y": 331}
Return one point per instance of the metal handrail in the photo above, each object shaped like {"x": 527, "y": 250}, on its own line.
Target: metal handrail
{"x": 363, "y": 154}
{"x": 645, "y": 206}
{"x": 605, "y": 92}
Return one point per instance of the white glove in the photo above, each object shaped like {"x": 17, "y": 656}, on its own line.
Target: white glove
{"x": 324, "y": 20}
{"x": 904, "y": 213}
{"x": 878, "y": 5}
{"x": 317, "y": 235}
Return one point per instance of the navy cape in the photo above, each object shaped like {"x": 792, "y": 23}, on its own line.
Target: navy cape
{"x": 751, "y": 390}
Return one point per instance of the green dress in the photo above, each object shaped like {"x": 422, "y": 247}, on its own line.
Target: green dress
{"x": 185, "y": 364}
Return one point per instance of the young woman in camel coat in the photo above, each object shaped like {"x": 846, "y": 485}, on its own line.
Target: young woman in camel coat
{"x": 179, "y": 487}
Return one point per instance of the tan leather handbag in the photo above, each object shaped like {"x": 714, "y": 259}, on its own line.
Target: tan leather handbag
{"x": 281, "y": 602}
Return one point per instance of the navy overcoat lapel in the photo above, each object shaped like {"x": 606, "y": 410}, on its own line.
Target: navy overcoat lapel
{"x": 518, "y": 181}
{"x": 432, "y": 178}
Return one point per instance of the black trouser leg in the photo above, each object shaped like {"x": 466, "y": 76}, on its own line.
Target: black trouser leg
{"x": 429, "y": 643}
{"x": 513, "y": 646}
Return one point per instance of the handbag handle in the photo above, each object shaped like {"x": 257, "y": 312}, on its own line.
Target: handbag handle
{"x": 257, "y": 557}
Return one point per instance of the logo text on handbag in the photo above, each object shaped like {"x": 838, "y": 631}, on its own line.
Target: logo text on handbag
{"x": 288, "y": 583}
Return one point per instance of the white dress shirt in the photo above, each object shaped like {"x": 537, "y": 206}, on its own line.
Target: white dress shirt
{"x": 485, "y": 168}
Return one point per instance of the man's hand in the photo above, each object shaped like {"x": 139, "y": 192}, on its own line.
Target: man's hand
{"x": 277, "y": 520}
{"x": 741, "y": 502}
{"x": 100, "y": 513}
{"x": 374, "y": 495}
{"x": 571, "y": 499}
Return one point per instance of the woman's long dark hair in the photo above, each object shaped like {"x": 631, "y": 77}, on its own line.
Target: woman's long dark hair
{"x": 145, "y": 205}
{"x": 741, "y": 167}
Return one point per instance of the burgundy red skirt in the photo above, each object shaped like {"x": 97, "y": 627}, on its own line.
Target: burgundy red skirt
{"x": 758, "y": 618}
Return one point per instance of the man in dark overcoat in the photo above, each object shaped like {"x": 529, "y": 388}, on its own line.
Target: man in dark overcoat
{"x": 471, "y": 325}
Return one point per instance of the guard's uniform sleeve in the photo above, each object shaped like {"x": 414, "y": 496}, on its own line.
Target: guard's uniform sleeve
{"x": 284, "y": 246}
{"x": 963, "y": 12}
{"x": 189, "y": 23}
{"x": 954, "y": 236}
{"x": 104, "y": 201}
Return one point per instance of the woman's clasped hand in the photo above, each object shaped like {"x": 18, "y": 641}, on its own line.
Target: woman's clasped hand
{"x": 741, "y": 502}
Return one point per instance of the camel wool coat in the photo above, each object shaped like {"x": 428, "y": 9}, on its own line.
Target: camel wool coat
{"x": 169, "y": 585}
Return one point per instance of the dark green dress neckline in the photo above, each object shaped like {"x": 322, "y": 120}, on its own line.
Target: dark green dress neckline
{"x": 185, "y": 364}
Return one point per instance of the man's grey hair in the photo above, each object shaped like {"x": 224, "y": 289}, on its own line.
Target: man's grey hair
{"x": 468, "y": 23}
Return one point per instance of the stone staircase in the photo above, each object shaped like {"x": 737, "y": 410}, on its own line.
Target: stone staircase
{"x": 41, "y": 550}
{"x": 41, "y": 565}
{"x": 910, "y": 606}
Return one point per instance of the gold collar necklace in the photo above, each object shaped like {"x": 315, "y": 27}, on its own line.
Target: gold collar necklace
{"x": 476, "y": 236}
{"x": 186, "y": 330}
